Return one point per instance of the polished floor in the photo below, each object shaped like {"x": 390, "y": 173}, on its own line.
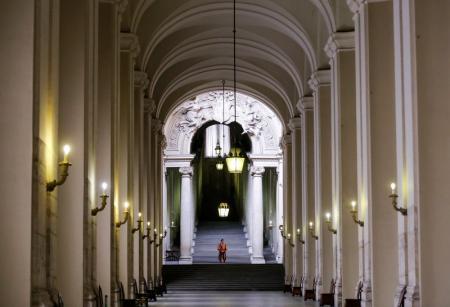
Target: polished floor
{"x": 231, "y": 299}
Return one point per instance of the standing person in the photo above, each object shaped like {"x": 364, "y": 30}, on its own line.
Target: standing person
{"x": 222, "y": 248}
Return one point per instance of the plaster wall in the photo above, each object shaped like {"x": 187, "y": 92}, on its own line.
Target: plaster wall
{"x": 433, "y": 112}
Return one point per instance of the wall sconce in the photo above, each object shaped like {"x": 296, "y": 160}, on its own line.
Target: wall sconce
{"x": 354, "y": 213}
{"x": 64, "y": 165}
{"x": 281, "y": 228}
{"x": 161, "y": 237}
{"x": 299, "y": 236}
{"x": 139, "y": 223}
{"x": 270, "y": 225}
{"x": 312, "y": 232}
{"x": 394, "y": 197}
{"x": 328, "y": 221}
{"x": 104, "y": 198}
{"x": 289, "y": 240}
{"x": 147, "y": 235}
{"x": 126, "y": 215}
{"x": 172, "y": 225}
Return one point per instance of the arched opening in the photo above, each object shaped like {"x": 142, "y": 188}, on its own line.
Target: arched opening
{"x": 194, "y": 187}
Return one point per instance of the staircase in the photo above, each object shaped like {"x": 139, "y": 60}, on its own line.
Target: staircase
{"x": 208, "y": 237}
{"x": 224, "y": 277}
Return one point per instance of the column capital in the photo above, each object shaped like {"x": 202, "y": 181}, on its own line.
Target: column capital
{"x": 295, "y": 123}
{"x": 149, "y": 106}
{"x": 339, "y": 41}
{"x": 306, "y": 103}
{"x": 319, "y": 78}
{"x": 355, "y": 5}
{"x": 129, "y": 43}
{"x": 186, "y": 171}
{"x": 256, "y": 171}
{"x": 286, "y": 139}
{"x": 140, "y": 79}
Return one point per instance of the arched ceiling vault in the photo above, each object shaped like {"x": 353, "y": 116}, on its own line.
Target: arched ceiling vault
{"x": 186, "y": 47}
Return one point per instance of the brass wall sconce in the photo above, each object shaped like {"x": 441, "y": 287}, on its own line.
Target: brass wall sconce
{"x": 299, "y": 236}
{"x": 354, "y": 213}
{"x": 104, "y": 198}
{"x": 139, "y": 223}
{"x": 328, "y": 221}
{"x": 270, "y": 225}
{"x": 161, "y": 237}
{"x": 281, "y": 228}
{"x": 394, "y": 197}
{"x": 312, "y": 231}
{"x": 147, "y": 235}
{"x": 290, "y": 240}
{"x": 64, "y": 166}
{"x": 126, "y": 215}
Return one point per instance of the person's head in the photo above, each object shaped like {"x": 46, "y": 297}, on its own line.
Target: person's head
{"x": 221, "y": 240}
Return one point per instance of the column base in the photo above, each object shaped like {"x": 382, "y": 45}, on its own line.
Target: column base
{"x": 185, "y": 260}
{"x": 257, "y": 260}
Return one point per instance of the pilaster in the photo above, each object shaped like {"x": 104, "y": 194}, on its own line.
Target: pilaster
{"x": 257, "y": 256}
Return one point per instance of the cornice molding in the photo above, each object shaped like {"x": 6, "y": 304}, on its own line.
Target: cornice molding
{"x": 339, "y": 41}
{"x": 129, "y": 42}
{"x": 319, "y": 78}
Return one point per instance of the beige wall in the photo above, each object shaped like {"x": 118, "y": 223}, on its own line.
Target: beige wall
{"x": 433, "y": 80}
{"x": 16, "y": 119}
{"x": 383, "y": 153}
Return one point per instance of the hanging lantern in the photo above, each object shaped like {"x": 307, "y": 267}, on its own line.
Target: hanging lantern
{"x": 223, "y": 210}
{"x": 218, "y": 149}
{"x": 219, "y": 164}
{"x": 235, "y": 161}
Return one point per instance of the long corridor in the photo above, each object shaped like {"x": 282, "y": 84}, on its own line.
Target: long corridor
{"x": 231, "y": 298}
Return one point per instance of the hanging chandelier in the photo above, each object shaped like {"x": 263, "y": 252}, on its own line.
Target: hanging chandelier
{"x": 218, "y": 149}
{"x": 223, "y": 209}
{"x": 235, "y": 159}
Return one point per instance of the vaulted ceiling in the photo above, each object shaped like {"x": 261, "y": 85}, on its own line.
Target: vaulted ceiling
{"x": 187, "y": 47}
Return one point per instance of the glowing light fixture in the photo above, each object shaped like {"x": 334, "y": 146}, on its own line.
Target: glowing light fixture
{"x": 235, "y": 160}
{"x": 223, "y": 209}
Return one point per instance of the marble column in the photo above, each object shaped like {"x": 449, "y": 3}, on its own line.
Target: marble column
{"x": 320, "y": 84}
{"x": 279, "y": 214}
{"x": 295, "y": 124}
{"x": 257, "y": 216}
{"x": 340, "y": 49}
{"x": 286, "y": 143}
{"x": 186, "y": 215}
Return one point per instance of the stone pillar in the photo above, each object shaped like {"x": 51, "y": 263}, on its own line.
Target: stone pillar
{"x": 140, "y": 84}
{"x": 186, "y": 215}
{"x": 295, "y": 124}
{"x": 279, "y": 216}
{"x": 23, "y": 162}
{"x": 375, "y": 126}
{"x": 77, "y": 83}
{"x": 107, "y": 99}
{"x": 320, "y": 84}
{"x": 310, "y": 264}
{"x": 340, "y": 49}
{"x": 286, "y": 143}
{"x": 249, "y": 211}
{"x": 257, "y": 216}
{"x": 129, "y": 49}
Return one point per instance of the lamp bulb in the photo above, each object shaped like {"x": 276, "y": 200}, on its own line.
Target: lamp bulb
{"x": 328, "y": 216}
{"x": 66, "y": 149}
{"x": 298, "y": 230}
{"x": 148, "y": 224}
{"x": 126, "y": 205}
{"x": 140, "y": 215}
{"x": 104, "y": 186}
{"x": 353, "y": 203}
{"x": 311, "y": 224}
{"x": 393, "y": 186}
